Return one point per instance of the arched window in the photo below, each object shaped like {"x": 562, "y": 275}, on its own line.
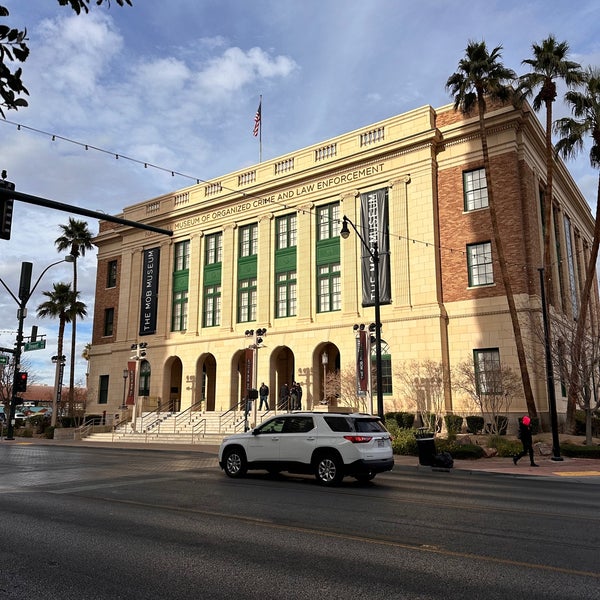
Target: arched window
{"x": 144, "y": 384}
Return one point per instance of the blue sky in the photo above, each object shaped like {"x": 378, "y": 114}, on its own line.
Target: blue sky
{"x": 177, "y": 84}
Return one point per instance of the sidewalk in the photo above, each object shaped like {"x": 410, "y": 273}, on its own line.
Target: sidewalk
{"x": 572, "y": 468}
{"x": 568, "y": 467}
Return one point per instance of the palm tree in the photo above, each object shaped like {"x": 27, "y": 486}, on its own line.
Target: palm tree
{"x": 548, "y": 64}
{"x": 481, "y": 74}
{"x": 76, "y": 238}
{"x": 585, "y": 107}
{"x": 61, "y": 304}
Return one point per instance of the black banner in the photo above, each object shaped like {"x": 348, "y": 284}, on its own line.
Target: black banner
{"x": 149, "y": 299}
{"x": 374, "y": 226}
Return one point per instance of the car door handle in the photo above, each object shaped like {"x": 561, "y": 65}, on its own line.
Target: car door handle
{"x": 312, "y": 438}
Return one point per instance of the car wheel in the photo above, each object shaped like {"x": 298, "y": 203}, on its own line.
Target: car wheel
{"x": 235, "y": 463}
{"x": 365, "y": 477}
{"x": 328, "y": 469}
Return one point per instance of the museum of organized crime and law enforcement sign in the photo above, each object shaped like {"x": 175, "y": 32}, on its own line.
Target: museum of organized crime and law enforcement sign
{"x": 149, "y": 299}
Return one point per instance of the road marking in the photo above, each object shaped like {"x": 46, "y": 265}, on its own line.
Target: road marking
{"x": 577, "y": 473}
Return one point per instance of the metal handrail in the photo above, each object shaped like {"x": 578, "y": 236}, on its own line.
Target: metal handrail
{"x": 230, "y": 415}
{"x": 201, "y": 424}
{"x": 186, "y": 415}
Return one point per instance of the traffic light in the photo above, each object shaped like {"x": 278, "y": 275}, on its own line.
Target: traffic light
{"x": 21, "y": 381}
{"x": 6, "y": 210}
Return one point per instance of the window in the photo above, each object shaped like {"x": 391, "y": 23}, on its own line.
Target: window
{"x": 247, "y": 300}
{"x": 214, "y": 249}
{"x": 144, "y": 383}
{"x": 180, "y": 310}
{"x": 286, "y": 295}
{"x": 249, "y": 240}
{"x": 488, "y": 375}
{"x": 328, "y": 221}
{"x": 109, "y": 317}
{"x": 297, "y": 424}
{"x": 111, "y": 277}
{"x": 286, "y": 231}
{"x": 212, "y": 305}
{"x": 182, "y": 256}
{"x": 103, "y": 389}
{"x": 475, "y": 189}
{"x": 330, "y": 296}
{"x": 479, "y": 259}
{"x": 386, "y": 368}
{"x": 571, "y": 267}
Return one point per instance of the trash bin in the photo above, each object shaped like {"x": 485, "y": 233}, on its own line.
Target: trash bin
{"x": 426, "y": 448}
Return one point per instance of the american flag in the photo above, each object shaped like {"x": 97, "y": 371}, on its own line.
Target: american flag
{"x": 257, "y": 118}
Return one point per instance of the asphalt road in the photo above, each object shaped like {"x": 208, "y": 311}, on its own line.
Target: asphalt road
{"x": 96, "y": 523}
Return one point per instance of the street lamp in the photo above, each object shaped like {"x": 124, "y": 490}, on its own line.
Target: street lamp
{"x": 25, "y": 293}
{"x": 374, "y": 254}
{"x": 125, "y": 376}
{"x": 252, "y": 377}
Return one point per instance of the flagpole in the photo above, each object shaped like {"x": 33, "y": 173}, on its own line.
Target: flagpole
{"x": 260, "y": 132}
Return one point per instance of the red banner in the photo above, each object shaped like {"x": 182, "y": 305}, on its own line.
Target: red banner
{"x": 131, "y": 367}
{"x": 249, "y": 371}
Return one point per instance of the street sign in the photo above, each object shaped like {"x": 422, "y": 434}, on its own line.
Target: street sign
{"x": 3, "y": 360}
{"x": 37, "y": 345}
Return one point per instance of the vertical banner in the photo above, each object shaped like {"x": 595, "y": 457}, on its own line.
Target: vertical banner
{"x": 362, "y": 362}
{"x": 131, "y": 367}
{"x": 149, "y": 300}
{"x": 374, "y": 222}
{"x": 249, "y": 371}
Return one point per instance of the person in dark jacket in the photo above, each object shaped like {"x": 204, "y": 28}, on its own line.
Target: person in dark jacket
{"x": 526, "y": 440}
{"x": 263, "y": 392}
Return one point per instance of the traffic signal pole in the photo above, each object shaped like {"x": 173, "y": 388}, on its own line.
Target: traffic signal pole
{"x": 25, "y": 293}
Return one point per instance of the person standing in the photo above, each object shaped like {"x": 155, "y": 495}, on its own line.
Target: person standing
{"x": 263, "y": 392}
{"x": 284, "y": 396}
{"x": 526, "y": 440}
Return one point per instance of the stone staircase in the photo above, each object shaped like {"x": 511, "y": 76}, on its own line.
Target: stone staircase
{"x": 207, "y": 428}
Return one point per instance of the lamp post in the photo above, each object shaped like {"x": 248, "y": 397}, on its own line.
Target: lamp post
{"x": 374, "y": 254}
{"x": 125, "y": 376}
{"x": 257, "y": 340}
{"x": 25, "y": 293}
{"x": 325, "y": 361}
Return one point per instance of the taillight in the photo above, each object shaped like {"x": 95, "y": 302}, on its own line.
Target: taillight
{"x": 358, "y": 439}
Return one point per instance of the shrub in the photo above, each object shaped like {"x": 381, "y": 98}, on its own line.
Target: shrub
{"x": 404, "y": 442}
{"x": 505, "y": 446}
{"x": 453, "y": 423}
{"x": 49, "y": 433}
{"x": 575, "y": 450}
{"x": 475, "y": 424}
{"x": 405, "y": 419}
{"x": 460, "y": 451}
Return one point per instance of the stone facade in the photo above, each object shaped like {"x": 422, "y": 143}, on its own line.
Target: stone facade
{"x": 420, "y": 158}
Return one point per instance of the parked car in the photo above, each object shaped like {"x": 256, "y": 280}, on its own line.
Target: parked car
{"x": 329, "y": 445}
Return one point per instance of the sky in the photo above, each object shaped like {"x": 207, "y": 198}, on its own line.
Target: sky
{"x": 177, "y": 84}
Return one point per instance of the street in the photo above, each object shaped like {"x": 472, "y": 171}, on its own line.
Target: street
{"x": 119, "y": 523}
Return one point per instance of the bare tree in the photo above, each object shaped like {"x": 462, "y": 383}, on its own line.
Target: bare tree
{"x": 491, "y": 390}
{"x": 422, "y": 386}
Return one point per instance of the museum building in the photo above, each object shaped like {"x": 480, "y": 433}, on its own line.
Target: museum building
{"x": 256, "y": 284}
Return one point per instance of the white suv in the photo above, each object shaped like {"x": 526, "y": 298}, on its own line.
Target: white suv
{"x": 330, "y": 445}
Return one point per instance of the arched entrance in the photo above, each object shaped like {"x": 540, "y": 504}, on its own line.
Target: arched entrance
{"x": 282, "y": 365}
{"x": 205, "y": 381}
{"x": 172, "y": 384}
{"x": 326, "y": 362}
